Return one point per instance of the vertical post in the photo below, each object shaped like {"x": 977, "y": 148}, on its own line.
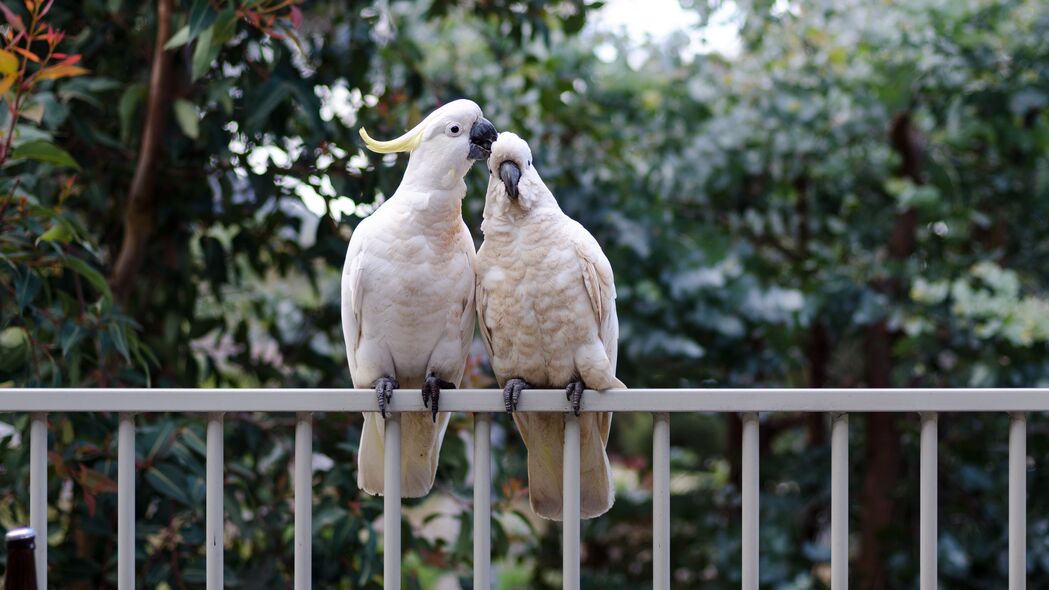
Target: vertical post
{"x": 303, "y": 501}
{"x": 570, "y": 513}
{"x": 125, "y": 503}
{"x": 482, "y": 500}
{"x": 839, "y": 502}
{"x": 38, "y": 491}
{"x": 1018, "y": 501}
{"x": 661, "y": 501}
{"x": 750, "y": 501}
{"x": 214, "y": 511}
{"x": 928, "y": 503}
{"x": 391, "y": 502}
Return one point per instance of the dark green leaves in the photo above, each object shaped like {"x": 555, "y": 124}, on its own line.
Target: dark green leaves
{"x": 44, "y": 151}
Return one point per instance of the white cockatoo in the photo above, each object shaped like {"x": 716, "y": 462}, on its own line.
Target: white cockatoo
{"x": 408, "y": 290}
{"x": 547, "y": 310}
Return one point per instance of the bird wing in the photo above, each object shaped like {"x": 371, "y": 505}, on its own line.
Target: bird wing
{"x": 353, "y": 296}
{"x": 482, "y": 307}
{"x": 468, "y": 319}
{"x": 601, "y": 290}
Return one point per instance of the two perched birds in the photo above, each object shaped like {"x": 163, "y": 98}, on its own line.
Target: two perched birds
{"x": 413, "y": 288}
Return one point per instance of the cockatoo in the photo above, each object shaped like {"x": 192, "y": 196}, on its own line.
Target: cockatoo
{"x": 408, "y": 290}
{"x": 547, "y": 310}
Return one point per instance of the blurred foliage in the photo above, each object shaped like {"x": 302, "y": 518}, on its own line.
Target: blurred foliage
{"x": 751, "y": 205}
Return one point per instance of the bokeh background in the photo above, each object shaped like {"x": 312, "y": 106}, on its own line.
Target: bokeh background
{"x": 792, "y": 194}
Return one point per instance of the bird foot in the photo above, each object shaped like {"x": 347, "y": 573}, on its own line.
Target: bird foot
{"x": 432, "y": 392}
{"x": 574, "y": 393}
{"x": 512, "y": 393}
{"x": 384, "y": 387}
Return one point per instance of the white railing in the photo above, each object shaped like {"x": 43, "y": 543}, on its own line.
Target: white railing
{"x": 836, "y": 402}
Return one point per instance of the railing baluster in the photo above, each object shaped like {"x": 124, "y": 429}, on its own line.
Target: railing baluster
{"x": 570, "y": 513}
{"x": 391, "y": 502}
{"x": 1018, "y": 501}
{"x": 125, "y": 502}
{"x": 482, "y": 500}
{"x": 38, "y": 491}
{"x": 927, "y": 529}
{"x": 750, "y": 501}
{"x": 661, "y": 501}
{"x": 839, "y": 502}
{"x": 214, "y": 510}
{"x": 303, "y": 501}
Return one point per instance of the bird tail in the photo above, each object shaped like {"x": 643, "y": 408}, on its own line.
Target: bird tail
{"x": 544, "y": 437}
{"x": 421, "y": 440}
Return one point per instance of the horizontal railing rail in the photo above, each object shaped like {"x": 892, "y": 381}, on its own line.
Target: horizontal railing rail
{"x": 837, "y": 403}
{"x": 535, "y": 400}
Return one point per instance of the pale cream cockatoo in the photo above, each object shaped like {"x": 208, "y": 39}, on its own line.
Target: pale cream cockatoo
{"x": 408, "y": 290}
{"x": 547, "y": 310}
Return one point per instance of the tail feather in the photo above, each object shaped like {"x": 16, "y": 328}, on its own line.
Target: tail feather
{"x": 421, "y": 440}
{"x": 544, "y": 437}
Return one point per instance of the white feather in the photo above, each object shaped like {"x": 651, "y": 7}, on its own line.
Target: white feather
{"x": 546, "y": 306}
{"x": 408, "y": 298}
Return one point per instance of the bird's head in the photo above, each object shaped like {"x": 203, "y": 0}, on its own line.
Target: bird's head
{"x": 445, "y": 143}
{"x": 510, "y": 160}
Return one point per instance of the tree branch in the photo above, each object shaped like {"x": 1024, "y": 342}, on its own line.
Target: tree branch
{"x": 139, "y": 215}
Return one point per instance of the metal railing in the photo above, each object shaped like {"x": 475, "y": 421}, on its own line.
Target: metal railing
{"x": 482, "y": 403}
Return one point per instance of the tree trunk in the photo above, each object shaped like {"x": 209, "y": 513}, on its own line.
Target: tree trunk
{"x": 139, "y": 215}
{"x": 819, "y": 356}
{"x": 883, "y": 440}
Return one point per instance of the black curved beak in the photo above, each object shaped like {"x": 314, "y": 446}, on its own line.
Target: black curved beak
{"x": 482, "y": 134}
{"x": 510, "y": 174}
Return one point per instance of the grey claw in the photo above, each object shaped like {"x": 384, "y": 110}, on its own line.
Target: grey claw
{"x": 512, "y": 393}
{"x": 384, "y": 387}
{"x": 574, "y": 394}
{"x": 432, "y": 392}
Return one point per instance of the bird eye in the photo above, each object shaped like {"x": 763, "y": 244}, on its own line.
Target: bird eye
{"x": 454, "y": 129}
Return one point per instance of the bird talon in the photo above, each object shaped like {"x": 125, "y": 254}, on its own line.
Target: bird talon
{"x": 432, "y": 392}
{"x": 384, "y": 387}
{"x": 512, "y": 393}
{"x": 574, "y": 394}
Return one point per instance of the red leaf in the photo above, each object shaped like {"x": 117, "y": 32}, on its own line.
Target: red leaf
{"x": 27, "y": 54}
{"x": 89, "y": 499}
{"x": 95, "y": 482}
{"x": 296, "y": 17}
{"x": 55, "y": 459}
{"x": 60, "y": 71}
{"x": 12, "y": 19}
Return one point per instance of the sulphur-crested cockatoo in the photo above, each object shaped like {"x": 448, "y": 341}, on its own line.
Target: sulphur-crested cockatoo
{"x": 547, "y": 310}
{"x": 408, "y": 290}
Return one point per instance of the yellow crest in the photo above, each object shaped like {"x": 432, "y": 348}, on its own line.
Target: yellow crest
{"x": 405, "y": 143}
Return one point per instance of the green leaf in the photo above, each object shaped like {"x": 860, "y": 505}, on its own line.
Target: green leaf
{"x": 14, "y": 348}
{"x": 93, "y": 276}
{"x": 269, "y": 95}
{"x": 168, "y": 481}
{"x": 26, "y": 287}
{"x": 129, "y": 100}
{"x": 203, "y": 54}
{"x": 116, "y": 333}
{"x": 44, "y": 151}
{"x": 201, "y": 16}
{"x": 59, "y": 232}
{"x": 187, "y": 118}
{"x": 225, "y": 27}
{"x": 180, "y": 38}
{"x": 165, "y": 437}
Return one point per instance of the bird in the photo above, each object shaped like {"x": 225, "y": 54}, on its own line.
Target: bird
{"x": 408, "y": 310}
{"x": 547, "y": 315}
